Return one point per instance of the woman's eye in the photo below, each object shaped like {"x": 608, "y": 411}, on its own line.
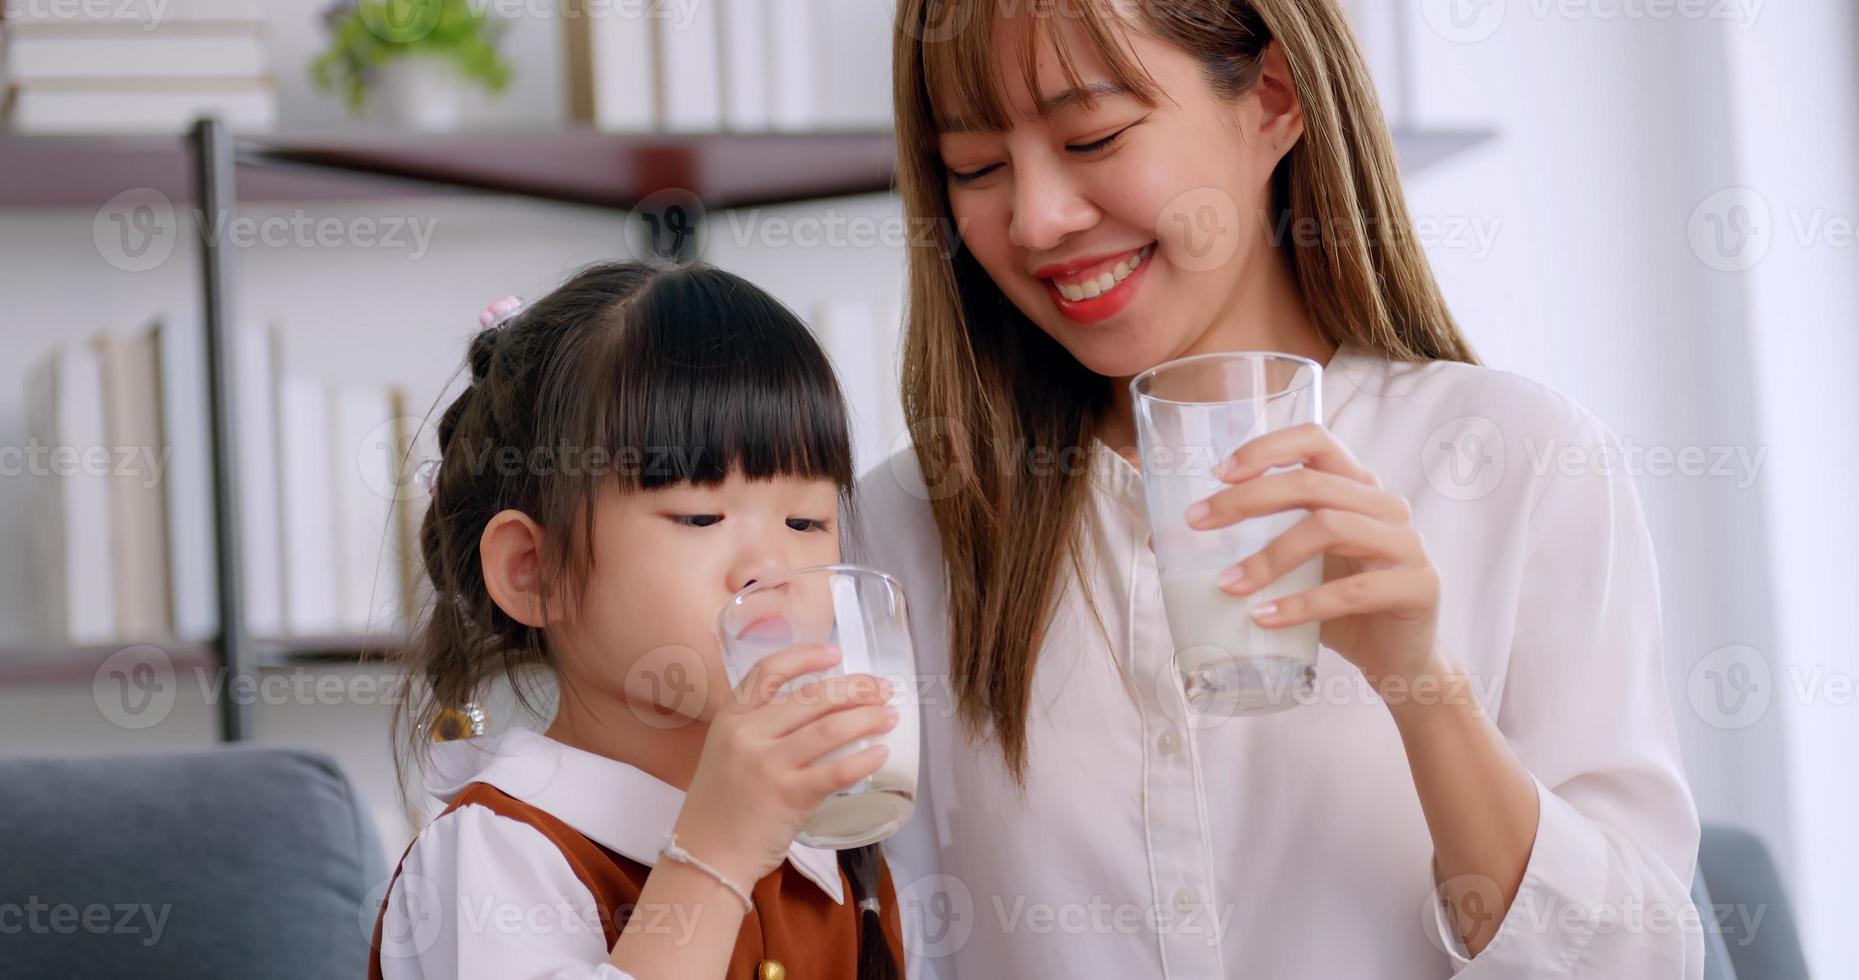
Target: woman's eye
{"x": 970, "y": 176}
{"x": 696, "y": 520}
{"x": 1085, "y": 149}
{"x": 806, "y": 524}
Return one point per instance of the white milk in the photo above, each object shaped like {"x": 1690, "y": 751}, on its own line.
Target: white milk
{"x": 1229, "y": 664}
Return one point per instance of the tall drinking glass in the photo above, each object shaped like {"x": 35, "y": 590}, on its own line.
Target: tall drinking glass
{"x": 1191, "y": 414}
{"x": 862, "y": 612}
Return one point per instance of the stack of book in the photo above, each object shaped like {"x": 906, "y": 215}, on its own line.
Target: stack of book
{"x": 728, "y": 65}
{"x": 122, "y": 523}
{"x": 135, "y": 67}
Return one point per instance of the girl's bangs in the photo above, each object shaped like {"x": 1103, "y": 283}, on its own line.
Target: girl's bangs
{"x": 710, "y": 375}
{"x": 962, "y": 77}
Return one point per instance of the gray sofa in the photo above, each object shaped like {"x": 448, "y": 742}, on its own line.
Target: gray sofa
{"x": 261, "y": 863}
{"x": 235, "y": 862}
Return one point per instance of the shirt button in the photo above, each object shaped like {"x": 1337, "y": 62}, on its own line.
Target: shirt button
{"x": 1167, "y": 742}
{"x": 1186, "y": 899}
{"x": 771, "y": 970}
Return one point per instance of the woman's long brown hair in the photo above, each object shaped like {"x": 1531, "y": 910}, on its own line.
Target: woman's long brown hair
{"x": 985, "y": 391}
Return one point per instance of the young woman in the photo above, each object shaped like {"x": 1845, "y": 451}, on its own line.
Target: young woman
{"x": 1486, "y": 778}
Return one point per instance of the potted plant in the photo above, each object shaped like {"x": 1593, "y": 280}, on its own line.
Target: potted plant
{"x": 407, "y": 61}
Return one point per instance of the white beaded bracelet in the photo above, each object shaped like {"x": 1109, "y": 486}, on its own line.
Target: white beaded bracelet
{"x": 676, "y": 853}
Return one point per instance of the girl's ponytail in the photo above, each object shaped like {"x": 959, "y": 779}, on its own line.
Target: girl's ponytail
{"x": 864, "y": 868}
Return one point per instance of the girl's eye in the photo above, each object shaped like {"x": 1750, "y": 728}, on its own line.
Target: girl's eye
{"x": 696, "y": 520}
{"x": 970, "y": 176}
{"x": 806, "y": 524}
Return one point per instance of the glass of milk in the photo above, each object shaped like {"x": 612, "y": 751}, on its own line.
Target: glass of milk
{"x": 862, "y": 612}
{"x": 1191, "y": 414}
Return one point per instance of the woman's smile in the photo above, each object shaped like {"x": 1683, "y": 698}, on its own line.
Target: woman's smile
{"x": 1094, "y": 289}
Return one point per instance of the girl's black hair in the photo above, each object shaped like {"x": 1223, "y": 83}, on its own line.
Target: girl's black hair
{"x": 649, "y": 375}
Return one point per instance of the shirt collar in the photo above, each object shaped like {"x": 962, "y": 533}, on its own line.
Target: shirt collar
{"x": 619, "y": 806}
{"x": 1342, "y": 378}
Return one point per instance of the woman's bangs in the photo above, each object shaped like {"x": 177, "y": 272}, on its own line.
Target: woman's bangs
{"x": 962, "y": 76}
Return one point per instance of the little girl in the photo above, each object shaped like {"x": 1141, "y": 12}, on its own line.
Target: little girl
{"x": 634, "y": 449}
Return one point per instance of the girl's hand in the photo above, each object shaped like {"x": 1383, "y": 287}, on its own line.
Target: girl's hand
{"x": 1379, "y": 603}
{"x": 756, "y": 784}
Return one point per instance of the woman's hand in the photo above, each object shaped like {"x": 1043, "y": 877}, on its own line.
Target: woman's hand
{"x": 756, "y": 784}
{"x": 1379, "y": 602}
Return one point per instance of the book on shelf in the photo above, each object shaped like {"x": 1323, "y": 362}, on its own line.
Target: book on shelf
{"x": 69, "y": 536}
{"x": 122, "y": 531}
{"x": 149, "y": 15}
{"x": 134, "y": 67}
{"x": 138, "y": 518}
{"x": 50, "y": 51}
{"x": 72, "y": 106}
{"x": 726, "y": 65}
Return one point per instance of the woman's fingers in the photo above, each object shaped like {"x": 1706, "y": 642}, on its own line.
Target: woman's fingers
{"x": 776, "y": 669}
{"x": 1310, "y": 444}
{"x": 1410, "y": 590}
{"x": 1305, "y": 489}
{"x": 1340, "y": 532}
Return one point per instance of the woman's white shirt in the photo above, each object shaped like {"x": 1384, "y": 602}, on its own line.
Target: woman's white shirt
{"x": 1150, "y": 842}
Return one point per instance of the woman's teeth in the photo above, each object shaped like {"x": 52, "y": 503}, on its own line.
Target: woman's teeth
{"x": 1105, "y": 281}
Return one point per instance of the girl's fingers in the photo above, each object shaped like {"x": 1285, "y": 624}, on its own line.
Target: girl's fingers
{"x": 817, "y": 699}
{"x": 1310, "y": 444}
{"x": 1306, "y": 488}
{"x": 807, "y": 744}
{"x": 1338, "y": 532}
{"x": 827, "y": 778}
{"x": 776, "y": 669}
{"x": 1410, "y": 589}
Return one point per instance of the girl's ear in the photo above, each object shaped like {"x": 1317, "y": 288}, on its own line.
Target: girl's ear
{"x": 510, "y": 551}
{"x": 1281, "y": 115}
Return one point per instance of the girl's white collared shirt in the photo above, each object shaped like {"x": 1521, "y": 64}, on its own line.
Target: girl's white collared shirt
{"x": 1150, "y": 843}
{"x": 482, "y": 895}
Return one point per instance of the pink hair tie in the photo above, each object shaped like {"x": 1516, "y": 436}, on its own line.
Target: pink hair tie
{"x": 500, "y": 312}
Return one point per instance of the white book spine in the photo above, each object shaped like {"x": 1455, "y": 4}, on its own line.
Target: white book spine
{"x": 138, "y": 512}
{"x": 617, "y": 63}
{"x": 255, "y": 438}
{"x": 362, "y": 461}
{"x": 70, "y": 540}
{"x": 192, "y": 571}
{"x": 306, "y": 454}
{"x": 690, "y": 69}
{"x": 745, "y": 66}
{"x": 793, "y": 65}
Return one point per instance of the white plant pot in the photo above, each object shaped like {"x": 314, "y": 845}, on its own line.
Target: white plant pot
{"x": 417, "y": 92}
